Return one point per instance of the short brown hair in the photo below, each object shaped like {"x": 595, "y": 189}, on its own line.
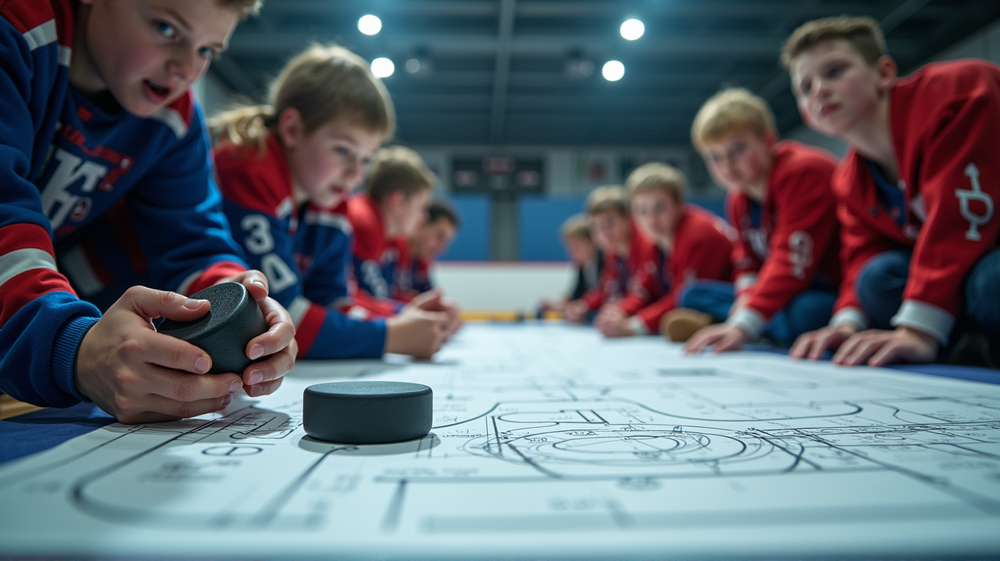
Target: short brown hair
{"x": 608, "y": 197}
{"x": 244, "y": 7}
{"x": 862, "y": 33}
{"x": 656, "y": 176}
{"x": 322, "y": 83}
{"x": 440, "y": 209}
{"x": 398, "y": 168}
{"x": 576, "y": 226}
{"x": 731, "y": 110}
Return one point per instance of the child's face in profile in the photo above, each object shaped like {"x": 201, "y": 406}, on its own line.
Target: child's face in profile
{"x": 432, "y": 239}
{"x": 836, "y": 89}
{"x": 656, "y": 212}
{"x": 611, "y": 229}
{"x": 411, "y": 212}
{"x": 147, "y": 53}
{"x": 328, "y": 163}
{"x": 580, "y": 250}
{"x": 739, "y": 161}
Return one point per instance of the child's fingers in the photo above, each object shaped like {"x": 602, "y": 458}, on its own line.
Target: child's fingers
{"x": 181, "y": 386}
{"x": 264, "y": 388}
{"x": 280, "y": 332}
{"x": 255, "y": 283}
{"x": 171, "y": 352}
{"x": 156, "y": 408}
{"x": 888, "y": 353}
{"x": 184, "y": 409}
{"x": 151, "y": 303}
{"x": 858, "y": 349}
{"x": 276, "y": 366}
{"x": 730, "y": 341}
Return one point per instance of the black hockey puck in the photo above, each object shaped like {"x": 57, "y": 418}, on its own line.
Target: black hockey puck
{"x": 367, "y": 412}
{"x": 225, "y": 331}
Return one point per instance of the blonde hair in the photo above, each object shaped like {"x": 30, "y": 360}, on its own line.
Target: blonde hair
{"x": 576, "y": 226}
{"x": 322, "y": 83}
{"x": 862, "y": 33}
{"x": 397, "y": 168}
{"x": 655, "y": 176}
{"x": 244, "y": 7}
{"x": 731, "y": 110}
{"x": 608, "y": 197}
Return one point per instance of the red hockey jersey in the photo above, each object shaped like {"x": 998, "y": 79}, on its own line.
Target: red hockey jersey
{"x": 619, "y": 272}
{"x": 945, "y": 126}
{"x": 790, "y": 238}
{"x": 702, "y": 249}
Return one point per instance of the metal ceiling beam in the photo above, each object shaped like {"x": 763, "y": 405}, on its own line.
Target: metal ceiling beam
{"x": 505, "y": 33}
{"x": 576, "y": 9}
{"x": 741, "y": 46}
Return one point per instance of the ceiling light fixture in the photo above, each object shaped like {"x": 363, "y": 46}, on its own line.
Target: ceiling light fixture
{"x": 632, "y": 29}
{"x": 613, "y": 70}
{"x": 369, "y": 25}
{"x": 383, "y": 67}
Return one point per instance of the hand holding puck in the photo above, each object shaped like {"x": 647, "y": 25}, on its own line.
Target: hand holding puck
{"x": 225, "y": 331}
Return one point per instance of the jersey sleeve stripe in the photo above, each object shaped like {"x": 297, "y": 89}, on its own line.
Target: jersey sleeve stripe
{"x": 21, "y": 261}
{"x": 298, "y": 308}
{"x": 308, "y": 329}
{"x": 41, "y": 35}
{"x": 22, "y": 289}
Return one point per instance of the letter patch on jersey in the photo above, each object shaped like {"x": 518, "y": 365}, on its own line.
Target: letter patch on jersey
{"x": 57, "y": 199}
{"x": 966, "y": 196}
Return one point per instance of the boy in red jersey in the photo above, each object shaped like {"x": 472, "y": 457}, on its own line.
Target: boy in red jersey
{"x": 392, "y": 207}
{"x": 689, "y": 244}
{"x": 779, "y": 200}
{"x": 625, "y": 248}
{"x": 917, "y": 193}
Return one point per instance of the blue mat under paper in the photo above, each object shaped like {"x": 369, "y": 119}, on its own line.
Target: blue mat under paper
{"x": 40, "y": 430}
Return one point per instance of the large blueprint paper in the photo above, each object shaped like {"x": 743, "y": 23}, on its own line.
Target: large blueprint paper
{"x": 547, "y": 442}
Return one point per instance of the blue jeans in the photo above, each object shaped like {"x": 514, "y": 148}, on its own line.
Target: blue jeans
{"x": 808, "y": 311}
{"x": 883, "y": 278}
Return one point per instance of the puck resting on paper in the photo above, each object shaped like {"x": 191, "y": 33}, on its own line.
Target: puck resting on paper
{"x": 225, "y": 331}
{"x": 367, "y": 412}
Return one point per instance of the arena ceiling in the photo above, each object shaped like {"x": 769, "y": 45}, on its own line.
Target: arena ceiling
{"x": 515, "y": 72}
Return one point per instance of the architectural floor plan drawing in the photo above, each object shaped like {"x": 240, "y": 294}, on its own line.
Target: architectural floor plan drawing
{"x": 547, "y": 442}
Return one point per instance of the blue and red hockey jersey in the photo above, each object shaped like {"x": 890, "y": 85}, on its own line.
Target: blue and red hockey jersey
{"x": 65, "y": 161}
{"x": 303, "y": 250}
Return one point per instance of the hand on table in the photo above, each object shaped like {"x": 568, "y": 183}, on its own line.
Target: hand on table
{"x": 721, "y": 337}
{"x": 576, "y": 311}
{"x": 612, "y": 322}
{"x": 878, "y": 348}
{"x": 813, "y": 344}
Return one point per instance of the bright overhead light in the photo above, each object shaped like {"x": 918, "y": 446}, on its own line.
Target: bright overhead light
{"x": 369, "y": 25}
{"x": 613, "y": 70}
{"x": 632, "y": 29}
{"x": 383, "y": 67}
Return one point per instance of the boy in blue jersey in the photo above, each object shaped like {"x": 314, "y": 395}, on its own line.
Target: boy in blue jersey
{"x": 97, "y": 115}
{"x": 286, "y": 170}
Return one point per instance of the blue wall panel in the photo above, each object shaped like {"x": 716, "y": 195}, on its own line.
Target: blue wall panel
{"x": 539, "y": 221}
{"x": 473, "y": 240}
